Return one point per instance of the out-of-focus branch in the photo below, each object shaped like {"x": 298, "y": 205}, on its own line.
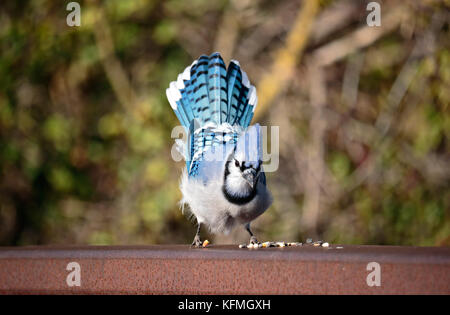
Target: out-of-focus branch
{"x": 424, "y": 46}
{"x": 228, "y": 31}
{"x": 433, "y": 167}
{"x": 315, "y": 149}
{"x": 114, "y": 71}
{"x": 227, "y": 34}
{"x": 192, "y": 37}
{"x": 362, "y": 37}
{"x": 351, "y": 80}
{"x": 332, "y": 19}
{"x": 270, "y": 27}
{"x": 287, "y": 57}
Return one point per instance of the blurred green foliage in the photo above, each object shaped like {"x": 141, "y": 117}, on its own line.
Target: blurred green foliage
{"x": 77, "y": 167}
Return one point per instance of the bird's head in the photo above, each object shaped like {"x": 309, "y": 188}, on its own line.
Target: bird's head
{"x": 243, "y": 166}
{"x": 244, "y": 172}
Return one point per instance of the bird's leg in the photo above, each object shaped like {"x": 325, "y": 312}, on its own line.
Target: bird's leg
{"x": 253, "y": 239}
{"x": 197, "y": 241}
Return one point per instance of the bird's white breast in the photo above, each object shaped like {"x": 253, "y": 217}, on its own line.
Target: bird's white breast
{"x": 209, "y": 205}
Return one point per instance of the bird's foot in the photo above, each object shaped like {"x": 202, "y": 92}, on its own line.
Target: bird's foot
{"x": 197, "y": 242}
{"x": 253, "y": 240}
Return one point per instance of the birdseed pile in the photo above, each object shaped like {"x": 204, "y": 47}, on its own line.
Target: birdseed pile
{"x": 309, "y": 242}
{"x": 284, "y": 244}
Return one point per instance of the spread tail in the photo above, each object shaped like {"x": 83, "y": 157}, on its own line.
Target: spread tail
{"x": 212, "y": 94}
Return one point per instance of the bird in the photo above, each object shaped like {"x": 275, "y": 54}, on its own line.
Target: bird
{"x": 223, "y": 184}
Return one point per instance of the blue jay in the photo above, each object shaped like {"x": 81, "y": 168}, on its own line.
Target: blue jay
{"x": 223, "y": 183}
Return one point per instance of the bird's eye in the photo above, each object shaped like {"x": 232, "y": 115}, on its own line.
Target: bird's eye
{"x": 236, "y": 163}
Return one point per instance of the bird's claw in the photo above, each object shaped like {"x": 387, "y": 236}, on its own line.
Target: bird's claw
{"x": 197, "y": 242}
{"x": 253, "y": 240}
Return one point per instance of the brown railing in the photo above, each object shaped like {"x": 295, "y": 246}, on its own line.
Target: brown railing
{"x": 225, "y": 270}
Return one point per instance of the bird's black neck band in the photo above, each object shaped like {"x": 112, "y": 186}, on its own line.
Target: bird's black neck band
{"x": 238, "y": 200}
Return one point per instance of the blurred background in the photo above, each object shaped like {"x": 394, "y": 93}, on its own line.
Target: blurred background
{"x": 85, "y": 127}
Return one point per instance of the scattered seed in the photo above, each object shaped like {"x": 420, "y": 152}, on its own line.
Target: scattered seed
{"x": 317, "y": 243}
{"x": 272, "y": 244}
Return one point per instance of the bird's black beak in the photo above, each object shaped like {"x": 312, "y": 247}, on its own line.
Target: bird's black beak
{"x": 251, "y": 177}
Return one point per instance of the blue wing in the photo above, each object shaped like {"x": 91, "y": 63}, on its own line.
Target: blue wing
{"x": 263, "y": 178}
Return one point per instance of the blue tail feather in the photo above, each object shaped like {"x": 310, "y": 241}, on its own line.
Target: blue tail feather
{"x": 234, "y": 79}
{"x": 209, "y": 93}
{"x": 242, "y": 106}
{"x": 200, "y": 90}
{"x": 245, "y": 114}
{"x": 217, "y": 88}
{"x": 186, "y": 104}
